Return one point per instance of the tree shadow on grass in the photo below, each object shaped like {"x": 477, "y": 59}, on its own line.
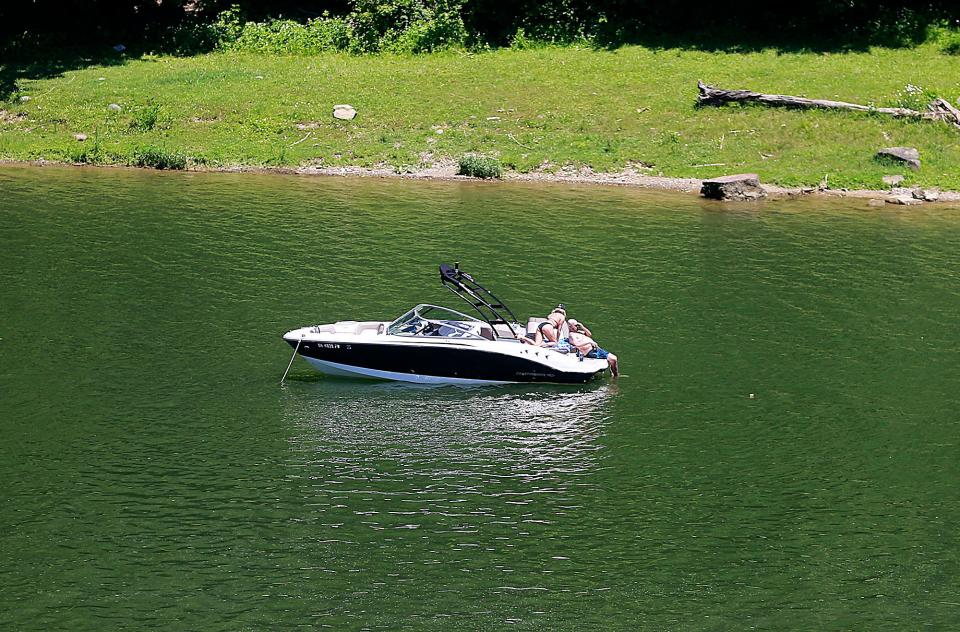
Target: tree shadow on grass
{"x": 41, "y": 65}
{"x": 718, "y": 40}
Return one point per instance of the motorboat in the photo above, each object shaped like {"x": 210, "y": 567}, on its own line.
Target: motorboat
{"x": 432, "y": 344}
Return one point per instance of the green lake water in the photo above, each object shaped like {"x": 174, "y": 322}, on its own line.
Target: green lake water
{"x": 782, "y": 452}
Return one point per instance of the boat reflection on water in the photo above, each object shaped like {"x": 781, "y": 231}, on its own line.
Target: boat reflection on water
{"x": 537, "y": 429}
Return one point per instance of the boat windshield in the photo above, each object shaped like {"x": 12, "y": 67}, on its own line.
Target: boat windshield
{"x": 432, "y": 320}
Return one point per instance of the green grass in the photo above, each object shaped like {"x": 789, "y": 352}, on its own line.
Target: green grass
{"x": 543, "y": 108}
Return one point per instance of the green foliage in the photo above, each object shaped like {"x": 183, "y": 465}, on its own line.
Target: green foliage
{"x": 157, "y": 158}
{"x": 477, "y": 166}
{"x": 146, "y": 118}
{"x": 406, "y": 26}
{"x": 429, "y": 35}
{"x": 286, "y": 37}
{"x": 914, "y": 97}
{"x": 401, "y": 26}
{"x": 947, "y": 38}
{"x": 520, "y": 41}
{"x": 229, "y": 25}
{"x": 86, "y": 155}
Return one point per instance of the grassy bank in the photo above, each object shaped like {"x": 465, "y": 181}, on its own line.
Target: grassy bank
{"x": 531, "y": 109}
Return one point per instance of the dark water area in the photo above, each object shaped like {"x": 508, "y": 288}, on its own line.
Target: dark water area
{"x": 782, "y": 452}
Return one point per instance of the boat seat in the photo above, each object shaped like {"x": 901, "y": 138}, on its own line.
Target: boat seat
{"x": 486, "y": 332}
{"x": 533, "y": 322}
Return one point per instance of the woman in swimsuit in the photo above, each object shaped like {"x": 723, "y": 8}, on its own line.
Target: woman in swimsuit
{"x": 554, "y": 329}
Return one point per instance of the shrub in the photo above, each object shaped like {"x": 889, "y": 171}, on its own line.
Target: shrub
{"x": 158, "y": 158}
{"x": 478, "y": 166}
{"x": 520, "y": 41}
{"x": 145, "y": 118}
{"x": 86, "y": 155}
{"x": 410, "y": 26}
{"x": 228, "y": 26}
{"x": 426, "y": 36}
{"x": 286, "y": 37}
{"x": 950, "y": 43}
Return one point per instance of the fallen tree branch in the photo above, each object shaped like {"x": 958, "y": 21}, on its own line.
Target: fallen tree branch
{"x": 939, "y": 110}
{"x": 309, "y": 134}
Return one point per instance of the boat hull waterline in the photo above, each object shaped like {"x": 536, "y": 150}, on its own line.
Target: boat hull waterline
{"x": 443, "y": 361}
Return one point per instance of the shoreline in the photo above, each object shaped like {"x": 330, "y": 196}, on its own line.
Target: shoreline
{"x": 630, "y": 178}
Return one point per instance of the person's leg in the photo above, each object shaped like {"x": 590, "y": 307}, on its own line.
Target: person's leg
{"x": 614, "y": 367}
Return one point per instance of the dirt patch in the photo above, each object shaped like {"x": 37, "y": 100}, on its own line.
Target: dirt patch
{"x": 11, "y": 117}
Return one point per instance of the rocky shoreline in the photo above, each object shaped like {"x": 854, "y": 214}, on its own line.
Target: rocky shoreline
{"x": 630, "y": 177}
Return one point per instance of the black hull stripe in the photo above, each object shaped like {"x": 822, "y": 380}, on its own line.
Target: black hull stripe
{"x": 454, "y": 362}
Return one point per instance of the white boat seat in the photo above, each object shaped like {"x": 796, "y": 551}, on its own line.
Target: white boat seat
{"x": 533, "y": 322}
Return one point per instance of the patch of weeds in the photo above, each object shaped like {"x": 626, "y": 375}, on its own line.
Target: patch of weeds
{"x": 914, "y": 97}
{"x": 84, "y": 156}
{"x": 669, "y": 138}
{"x": 521, "y": 40}
{"x": 146, "y": 118}
{"x": 477, "y": 166}
{"x": 158, "y": 158}
{"x": 89, "y": 154}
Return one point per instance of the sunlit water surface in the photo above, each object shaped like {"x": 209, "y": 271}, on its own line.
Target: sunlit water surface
{"x": 782, "y": 452}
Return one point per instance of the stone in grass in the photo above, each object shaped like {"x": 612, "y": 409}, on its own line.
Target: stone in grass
{"x": 113, "y": 107}
{"x": 892, "y": 181}
{"x": 80, "y": 137}
{"x": 743, "y": 186}
{"x": 344, "y": 112}
{"x": 903, "y": 155}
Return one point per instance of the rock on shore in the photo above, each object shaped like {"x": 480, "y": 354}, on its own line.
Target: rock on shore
{"x": 743, "y": 186}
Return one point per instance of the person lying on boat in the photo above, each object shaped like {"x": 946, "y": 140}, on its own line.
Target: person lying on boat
{"x": 581, "y": 339}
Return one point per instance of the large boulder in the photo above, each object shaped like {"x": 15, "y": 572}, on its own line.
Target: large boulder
{"x": 743, "y": 186}
{"x": 901, "y": 155}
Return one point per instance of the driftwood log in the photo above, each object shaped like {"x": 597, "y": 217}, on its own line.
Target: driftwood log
{"x": 938, "y": 110}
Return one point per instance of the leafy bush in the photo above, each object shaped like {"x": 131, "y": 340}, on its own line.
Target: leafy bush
{"x": 158, "y": 158}
{"x": 426, "y": 36}
{"x": 286, "y": 37}
{"x": 228, "y": 26}
{"x": 520, "y": 41}
{"x": 950, "y": 42}
{"x": 403, "y": 26}
{"x": 477, "y": 166}
{"x": 408, "y": 26}
{"x": 87, "y": 155}
{"x": 146, "y": 118}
